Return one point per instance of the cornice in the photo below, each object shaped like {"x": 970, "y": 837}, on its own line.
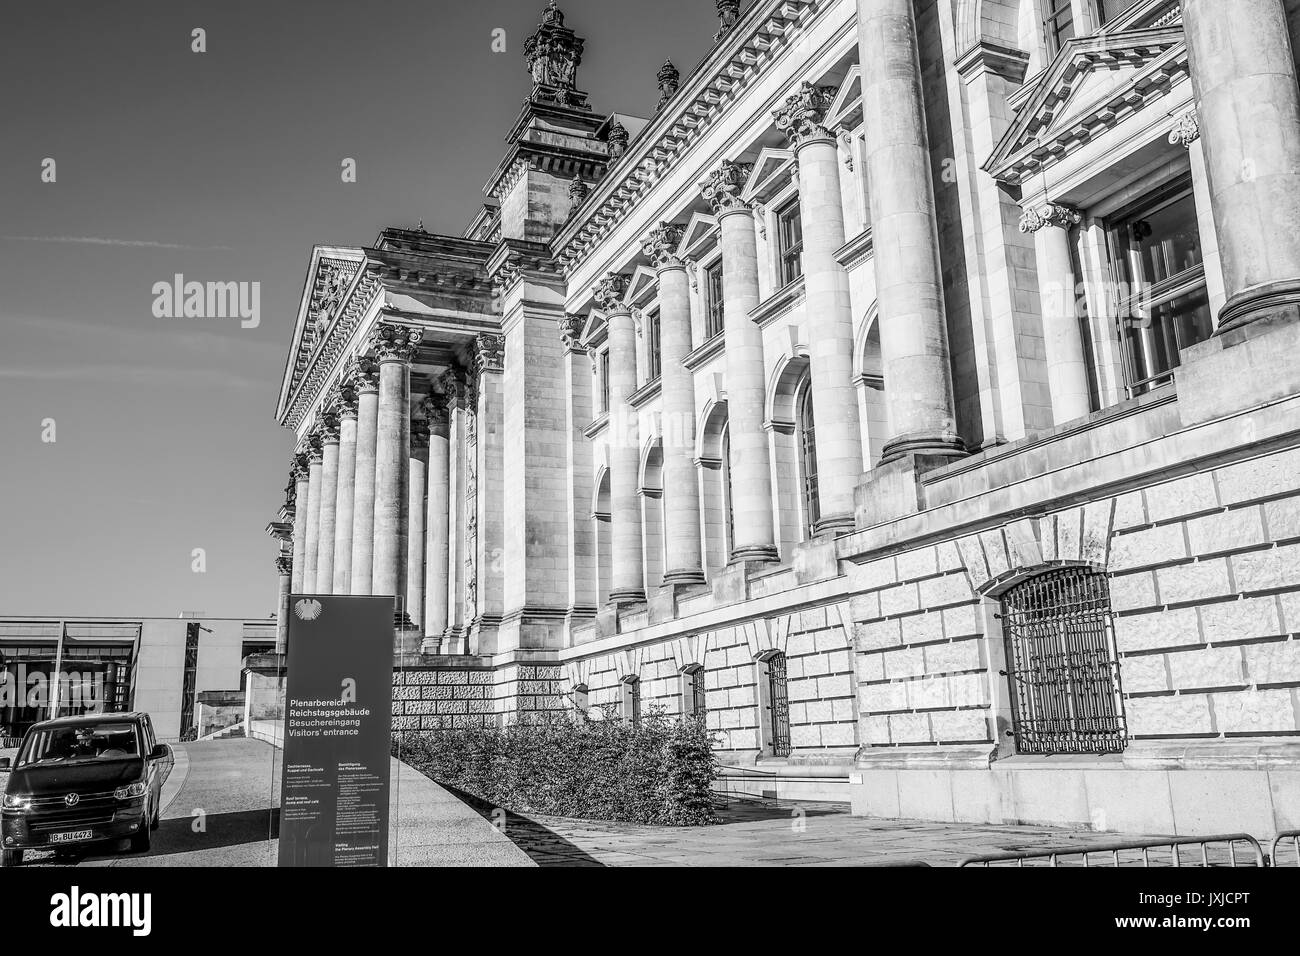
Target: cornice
{"x": 645, "y": 393}
{"x": 702, "y": 354}
{"x": 779, "y": 303}
{"x": 744, "y": 53}
{"x": 856, "y": 250}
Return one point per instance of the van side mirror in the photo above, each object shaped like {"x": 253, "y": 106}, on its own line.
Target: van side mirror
{"x": 4, "y": 764}
{"x": 159, "y": 751}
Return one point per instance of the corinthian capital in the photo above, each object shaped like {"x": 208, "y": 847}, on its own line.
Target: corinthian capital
{"x": 315, "y": 449}
{"x": 348, "y": 399}
{"x": 1049, "y": 214}
{"x": 395, "y": 343}
{"x": 1187, "y": 130}
{"x": 284, "y": 563}
{"x": 722, "y": 189}
{"x": 610, "y": 291}
{"x": 661, "y": 245}
{"x": 803, "y": 117}
{"x": 435, "y": 409}
{"x": 419, "y": 434}
{"x": 489, "y": 352}
{"x": 362, "y": 373}
{"x": 299, "y": 469}
{"x": 571, "y": 327}
{"x": 329, "y": 428}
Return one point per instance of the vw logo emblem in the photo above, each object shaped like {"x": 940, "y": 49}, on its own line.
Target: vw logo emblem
{"x": 72, "y": 799}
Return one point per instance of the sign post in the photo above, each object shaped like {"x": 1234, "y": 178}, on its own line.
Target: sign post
{"x": 338, "y": 717}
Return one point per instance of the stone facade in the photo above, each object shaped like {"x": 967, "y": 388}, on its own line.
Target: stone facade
{"x": 779, "y": 403}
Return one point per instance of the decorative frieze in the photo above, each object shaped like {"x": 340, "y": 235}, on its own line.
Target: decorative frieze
{"x": 661, "y": 245}
{"x": 1049, "y": 214}
{"x": 803, "y": 117}
{"x": 610, "y": 290}
{"x": 723, "y": 187}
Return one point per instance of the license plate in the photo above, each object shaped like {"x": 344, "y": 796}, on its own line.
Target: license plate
{"x": 71, "y": 836}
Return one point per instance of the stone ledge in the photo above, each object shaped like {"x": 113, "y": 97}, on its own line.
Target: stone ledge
{"x": 975, "y": 757}
{"x": 1255, "y": 753}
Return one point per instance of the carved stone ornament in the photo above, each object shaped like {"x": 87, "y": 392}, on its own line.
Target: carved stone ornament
{"x": 803, "y": 117}
{"x": 1187, "y": 130}
{"x": 661, "y": 245}
{"x": 363, "y": 373}
{"x": 722, "y": 189}
{"x": 284, "y": 563}
{"x": 728, "y": 14}
{"x": 571, "y": 327}
{"x": 299, "y": 468}
{"x": 617, "y": 138}
{"x": 1049, "y": 214}
{"x": 395, "y": 343}
{"x": 451, "y": 384}
{"x": 668, "y": 79}
{"x": 610, "y": 291}
{"x": 553, "y": 54}
{"x": 489, "y": 352}
{"x": 315, "y": 449}
{"x": 347, "y": 401}
{"x": 578, "y": 191}
{"x": 419, "y": 434}
{"x": 434, "y": 408}
{"x": 329, "y": 428}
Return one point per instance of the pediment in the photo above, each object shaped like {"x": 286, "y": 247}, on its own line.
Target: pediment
{"x": 642, "y": 285}
{"x": 770, "y": 172}
{"x": 846, "y": 109}
{"x": 1093, "y": 85}
{"x": 700, "y": 231}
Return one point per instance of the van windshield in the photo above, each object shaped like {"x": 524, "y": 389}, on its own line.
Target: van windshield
{"x": 106, "y": 741}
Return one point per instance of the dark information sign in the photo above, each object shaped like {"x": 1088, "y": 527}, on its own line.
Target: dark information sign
{"x": 338, "y": 718}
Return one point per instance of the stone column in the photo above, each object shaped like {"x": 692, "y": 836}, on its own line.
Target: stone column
{"x": 417, "y": 482}
{"x": 329, "y": 489}
{"x": 344, "y": 516}
{"x": 1187, "y": 134}
{"x": 302, "y": 492}
{"x": 485, "y": 498}
{"x": 829, "y": 311}
{"x": 1244, "y": 74}
{"x": 628, "y": 578}
{"x": 437, "y": 523}
{"x": 365, "y": 373}
{"x": 754, "y": 534}
{"x": 681, "y": 502}
{"x": 1067, "y": 371}
{"x": 458, "y": 414}
{"x": 395, "y": 346}
{"x": 909, "y": 279}
{"x": 315, "y": 459}
{"x": 283, "y": 565}
{"x": 583, "y": 569}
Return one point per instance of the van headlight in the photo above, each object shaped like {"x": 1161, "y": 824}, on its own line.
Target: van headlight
{"x": 12, "y": 802}
{"x": 130, "y": 792}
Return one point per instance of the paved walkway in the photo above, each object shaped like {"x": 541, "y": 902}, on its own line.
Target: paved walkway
{"x": 219, "y": 810}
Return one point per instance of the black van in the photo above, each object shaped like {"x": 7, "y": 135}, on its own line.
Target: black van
{"x": 78, "y": 780}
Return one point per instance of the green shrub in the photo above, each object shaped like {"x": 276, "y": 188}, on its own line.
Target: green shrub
{"x": 660, "y": 771}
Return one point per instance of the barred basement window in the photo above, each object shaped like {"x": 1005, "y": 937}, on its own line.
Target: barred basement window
{"x": 1062, "y": 666}
{"x": 693, "y": 691}
{"x": 778, "y": 704}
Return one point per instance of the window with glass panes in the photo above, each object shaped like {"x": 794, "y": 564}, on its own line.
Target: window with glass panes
{"x": 790, "y": 242}
{"x": 713, "y": 300}
{"x": 1108, "y": 10}
{"x": 653, "y": 361}
{"x": 1157, "y": 257}
{"x": 1058, "y": 22}
{"x": 604, "y": 381}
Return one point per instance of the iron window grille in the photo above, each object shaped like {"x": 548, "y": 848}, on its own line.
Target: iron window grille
{"x": 778, "y": 703}
{"x": 1062, "y": 666}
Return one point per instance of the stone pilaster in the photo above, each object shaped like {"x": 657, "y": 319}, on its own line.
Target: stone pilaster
{"x": 365, "y": 373}
{"x": 909, "y": 281}
{"x": 1067, "y": 371}
{"x": 754, "y": 534}
{"x": 329, "y": 432}
{"x": 627, "y": 582}
{"x": 1248, "y": 108}
{"x": 344, "y": 516}
{"x": 485, "y": 494}
{"x": 417, "y": 485}
{"x": 829, "y": 311}
{"x": 436, "y": 524}
{"x": 681, "y": 506}
{"x": 579, "y": 411}
{"x": 315, "y": 466}
{"x": 284, "y": 568}
{"x": 395, "y": 347}
{"x": 302, "y": 492}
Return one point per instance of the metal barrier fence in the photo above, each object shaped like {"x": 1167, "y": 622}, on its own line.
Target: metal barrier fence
{"x": 1209, "y": 851}
{"x": 1288, "y": 840}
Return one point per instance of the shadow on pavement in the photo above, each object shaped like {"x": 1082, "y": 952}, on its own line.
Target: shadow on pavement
{"x": 544, "y": 847}
{"x": 219, "y": 830}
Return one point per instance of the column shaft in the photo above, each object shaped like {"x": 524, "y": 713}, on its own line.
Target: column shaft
{"x": 284, "y": 566}
{"x": 314, "y": 482}
{"x": 1244, "y": 75}
{"x": 909, "y": 279}
{"x": 302, "y": 492}
{"x": 392, "y": 456}
{"x": 344, "y": 515}
{"x": 437, "y": 553}
{"x": 628, "y": 582}
{"x": 1063, "y": 342}
{"x": 417, "y": 481}
{"x": 329, "y": 488}
{"x": 754, "y": 535}
{"x": 363, "y": 504}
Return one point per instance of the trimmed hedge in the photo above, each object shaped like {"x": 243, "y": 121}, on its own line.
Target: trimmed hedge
{"x": 660, "y": 771}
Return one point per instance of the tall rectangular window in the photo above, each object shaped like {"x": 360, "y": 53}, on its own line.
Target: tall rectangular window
{"x": 790, "y": 242}
{"x": 713, "y": 300}
{"x": 1157, "y": 259}
{"x": 1058, "y": 22}
{"x": 189, "y": 680}
{"x": 603, "y": 365}
{"x": 1109, "y": 10}
{"x": 654, "y": 362}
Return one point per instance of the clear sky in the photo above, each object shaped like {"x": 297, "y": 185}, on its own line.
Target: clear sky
{"x": 223, "y": 166}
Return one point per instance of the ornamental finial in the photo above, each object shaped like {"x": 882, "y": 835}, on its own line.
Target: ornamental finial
{"x": 668, "y": 78}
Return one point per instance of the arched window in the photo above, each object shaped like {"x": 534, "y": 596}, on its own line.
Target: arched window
{"x": 1061, "y": 664}
{"x": 808, "y": 458}
{"x": 693, "y": 704}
